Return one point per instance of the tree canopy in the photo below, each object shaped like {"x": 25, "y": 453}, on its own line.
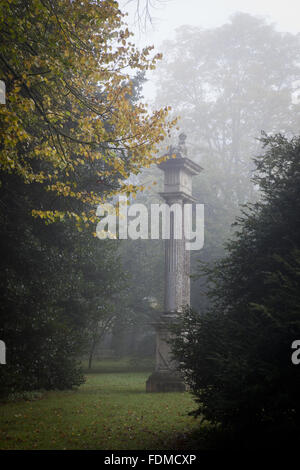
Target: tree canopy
{"x": 228, "y": 84}
{"x": 68, "y": 68}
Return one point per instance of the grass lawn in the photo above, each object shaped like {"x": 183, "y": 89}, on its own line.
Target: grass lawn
{"x": 111, "y": 411}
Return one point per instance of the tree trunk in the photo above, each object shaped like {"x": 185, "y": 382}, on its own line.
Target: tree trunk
{"x": 91, "y": 355}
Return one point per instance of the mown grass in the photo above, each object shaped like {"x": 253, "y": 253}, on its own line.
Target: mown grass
{"x": 124, "y": 364}
{"x": 111, "y": 411}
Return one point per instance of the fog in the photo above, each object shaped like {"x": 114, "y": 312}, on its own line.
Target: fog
{"x": 230, "y": 72}
{"x": 168, "y": 15}
{"x": 104, "y": 139}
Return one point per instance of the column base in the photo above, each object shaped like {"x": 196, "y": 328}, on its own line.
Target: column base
{"x": 165, "y": 381}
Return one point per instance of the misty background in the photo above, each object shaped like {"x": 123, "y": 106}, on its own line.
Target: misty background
{"x": 230, "y": 71}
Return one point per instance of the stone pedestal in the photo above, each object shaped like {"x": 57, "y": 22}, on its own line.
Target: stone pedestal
{"x": 164, "y": 378}
{"x": 177, "y": 190}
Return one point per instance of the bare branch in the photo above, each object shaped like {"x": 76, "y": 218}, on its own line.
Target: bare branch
{"x": 144, "y": 11}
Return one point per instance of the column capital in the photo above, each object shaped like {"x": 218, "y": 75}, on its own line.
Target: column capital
{"x": 177, "y": 196}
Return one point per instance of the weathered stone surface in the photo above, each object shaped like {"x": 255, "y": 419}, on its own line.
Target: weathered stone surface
{"x": 160, "y": 382}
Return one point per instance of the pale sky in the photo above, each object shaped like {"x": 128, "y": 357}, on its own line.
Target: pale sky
{"x": 170, "y": 14}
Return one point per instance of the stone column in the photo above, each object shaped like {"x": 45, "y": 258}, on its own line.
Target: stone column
{"x": 177, "y": 190}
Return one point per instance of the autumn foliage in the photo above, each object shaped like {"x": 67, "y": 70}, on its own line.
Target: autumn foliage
{"x": 68, "y": 67}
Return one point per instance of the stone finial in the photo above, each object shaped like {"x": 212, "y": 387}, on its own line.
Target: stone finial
{"x": 182, "y": 138}
{"x": 180, "y": 150}
{"x": 181, "y": 145}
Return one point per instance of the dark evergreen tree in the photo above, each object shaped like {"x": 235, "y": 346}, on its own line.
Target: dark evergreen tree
{"x": 56, "y": 284}
{"x": 237, "y": 355}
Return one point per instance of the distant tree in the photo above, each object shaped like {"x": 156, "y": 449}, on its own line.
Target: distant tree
{"x": 237, "y": 355}
{"x": 142, "y": 261}
{"x": 228, "y": 84}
